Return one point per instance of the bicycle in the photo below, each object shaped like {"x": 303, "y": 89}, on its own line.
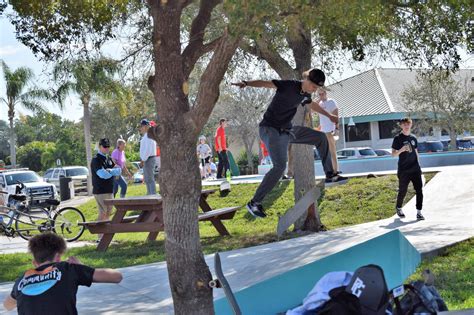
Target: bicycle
{"x": 31, "y": 221}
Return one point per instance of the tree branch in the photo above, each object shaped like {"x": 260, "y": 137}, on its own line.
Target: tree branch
{"x": 299, "y": 41}
{"x": 208, "y": 91}
{"x": 196, "y": 48}
{"x": 262, "y": 49}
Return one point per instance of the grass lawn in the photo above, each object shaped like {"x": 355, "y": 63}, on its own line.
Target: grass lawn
{"x": 454, "y": 274}
{"x": 360, "y": 200}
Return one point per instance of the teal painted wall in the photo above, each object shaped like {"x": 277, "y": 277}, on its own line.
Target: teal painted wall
{"x": 391, "y": 251}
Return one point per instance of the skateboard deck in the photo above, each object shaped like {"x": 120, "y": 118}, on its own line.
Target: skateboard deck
{"x": 221, "y": 282}
{"x": 298, "y": 210}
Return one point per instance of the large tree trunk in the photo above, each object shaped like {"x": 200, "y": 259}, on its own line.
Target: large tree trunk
{"x": 87, "y": 139}
{"x": 453, "y": 137}
{"x": 299, "y": 40}
{"x": 11, "y": 116}
{"x": 176, "y": 133}
{"x": 304, "y": 174}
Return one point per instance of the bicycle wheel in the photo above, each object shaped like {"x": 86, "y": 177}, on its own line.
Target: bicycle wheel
{"x": 66, "y": 223}
{"x": 33, "y": 222}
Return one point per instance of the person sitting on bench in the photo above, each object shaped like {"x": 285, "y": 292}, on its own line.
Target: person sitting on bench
{"x": 51, "y": 287}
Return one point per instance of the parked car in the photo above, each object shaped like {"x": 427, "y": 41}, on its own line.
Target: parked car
{"x": 36, "y": 188}
{"x": 317, "y": 157}
{"x": 464, "y": 144}
{"x": 138, "y": 176}
{"x": 357, "y": 153}
{"x": 383, "y": 152}
{"x": 77, "y": 173}
{"x": 430, "y": 146}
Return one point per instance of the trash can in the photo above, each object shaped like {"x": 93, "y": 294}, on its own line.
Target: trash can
{"x": 64, "y": 190}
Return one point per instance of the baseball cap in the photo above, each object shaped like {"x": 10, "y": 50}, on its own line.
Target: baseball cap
{"x": 104, "y": 142}
{"x": 317, "y": 76}
{"x": 145, "y": 122}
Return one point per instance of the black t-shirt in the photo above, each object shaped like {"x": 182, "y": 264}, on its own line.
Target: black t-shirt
{"x": 51, "y": 289}
{"x": 100, "y": 185}
{"x": 284, "y": 104}
{"x": 408, "y": 160}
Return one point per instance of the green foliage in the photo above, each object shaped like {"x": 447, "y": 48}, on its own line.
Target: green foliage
{"x": 119, "y": 115}
{"x": 46, "y": 127}
{"x": 245, "y": 231}
{"x": 454, "y": 275}
{"x": 4, "y": 140}
{"x": 51, "y": 28}
{"x": 34, "y": 154}
{"x": 86, "y": 78}
{"x": 418, "y": 32}
{"x": 243, "y": 164}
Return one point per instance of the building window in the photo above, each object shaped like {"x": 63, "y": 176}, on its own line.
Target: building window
{"x": 388, "y": 129}
{"x": 359, "y": 132}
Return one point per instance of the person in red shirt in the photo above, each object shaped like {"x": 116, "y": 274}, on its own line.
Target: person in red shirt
{"x": 266, "y": 156}
{"x": 221, "y": 148}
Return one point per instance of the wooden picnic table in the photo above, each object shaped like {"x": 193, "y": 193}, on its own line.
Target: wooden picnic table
{"x": 150, "y": 217}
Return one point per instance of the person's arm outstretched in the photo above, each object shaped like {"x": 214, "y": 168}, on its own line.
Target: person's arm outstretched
{"x": 256, "y": 83}
{"x": 101, "y": 275}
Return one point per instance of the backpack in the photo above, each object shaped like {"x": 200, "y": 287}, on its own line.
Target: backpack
{"x": 366, "y": 294}
{"x": 418, "y": 297}
{"x": 341, "y": 303}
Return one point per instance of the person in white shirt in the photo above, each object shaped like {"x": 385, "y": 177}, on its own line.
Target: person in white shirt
{"x": 328, "y": 127}
{"x": 147, "y": 156}
{"x": 204, "y": 153}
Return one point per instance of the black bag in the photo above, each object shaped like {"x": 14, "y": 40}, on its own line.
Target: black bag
{"x": 366, "y": 294}
{"x": 418, "y": 297}
{"x": 341, "y": 303}
{"x": 369, "y": 285}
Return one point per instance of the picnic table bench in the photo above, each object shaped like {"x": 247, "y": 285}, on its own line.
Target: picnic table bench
{"x": 150, "y": 217}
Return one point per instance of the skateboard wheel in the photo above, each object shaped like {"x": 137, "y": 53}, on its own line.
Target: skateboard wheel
{"x": 214, "y": 284}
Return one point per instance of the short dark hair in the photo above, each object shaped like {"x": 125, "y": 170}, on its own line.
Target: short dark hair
{"x": 45, "y": 246}
{"x": 405, "y": 120}
{"x": 222, "y": 120}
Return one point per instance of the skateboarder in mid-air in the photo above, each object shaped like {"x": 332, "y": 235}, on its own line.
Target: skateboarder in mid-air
{"x": 276, "y": 130}
{"x": 405, "y": 147}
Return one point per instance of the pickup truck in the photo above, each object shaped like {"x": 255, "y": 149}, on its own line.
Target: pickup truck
{"x": 36, "y": 188}
{"x": 77, "y": 173}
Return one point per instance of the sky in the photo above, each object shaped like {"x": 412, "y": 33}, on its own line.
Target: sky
{"x": 15, "y": 54}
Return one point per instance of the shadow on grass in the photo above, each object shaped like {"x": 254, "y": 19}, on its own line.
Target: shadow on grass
{"x": 276, "y": 193}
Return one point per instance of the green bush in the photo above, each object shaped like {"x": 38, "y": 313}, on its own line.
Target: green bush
{"x": 35, "y": 154}
{"x": 243, "y": 164}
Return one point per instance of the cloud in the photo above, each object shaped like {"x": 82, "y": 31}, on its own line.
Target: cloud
{"x": 10, "y": 50}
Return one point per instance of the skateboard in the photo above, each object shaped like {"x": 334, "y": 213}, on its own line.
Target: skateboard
{"x": 221, "y": 283}
{"x": 298, "y": 210}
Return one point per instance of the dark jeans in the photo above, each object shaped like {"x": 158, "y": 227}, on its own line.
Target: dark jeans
{"x": 123, "y": 186}
{"x": 404, "y": 178}
{"x": 223, "y": 165}
{"x": 277, "y": 143}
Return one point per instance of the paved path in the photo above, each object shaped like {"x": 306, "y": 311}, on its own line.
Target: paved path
{"x": 254, "y": 179}
{"x": 449, "y": 213}
{"x": 19, "y": 245}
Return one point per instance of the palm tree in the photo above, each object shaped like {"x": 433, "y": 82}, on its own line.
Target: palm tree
{"x": 87, "y": 79}
{"x": 17, "y": 94}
